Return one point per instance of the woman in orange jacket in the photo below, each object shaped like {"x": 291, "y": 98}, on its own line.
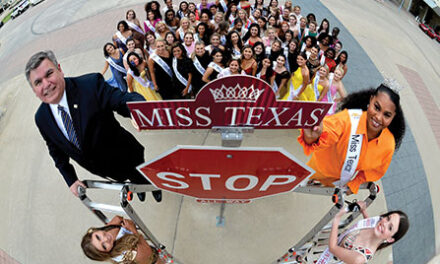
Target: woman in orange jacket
{"x": 356, "y": 145}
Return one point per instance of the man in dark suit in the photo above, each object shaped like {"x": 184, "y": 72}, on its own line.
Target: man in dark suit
{"x": 76, "y": 120}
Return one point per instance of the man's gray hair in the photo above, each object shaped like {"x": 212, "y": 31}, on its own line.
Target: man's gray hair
{"x": 36, "y": 60}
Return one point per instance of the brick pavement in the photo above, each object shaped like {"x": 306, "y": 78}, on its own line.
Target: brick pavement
{"x": 424, "y": 96}
{"x": 6, "y": 259}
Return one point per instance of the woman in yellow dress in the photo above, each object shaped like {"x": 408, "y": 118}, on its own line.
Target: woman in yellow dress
{"x": 137, "y": 80}
{"x": 298, "y": 81}
{"x": 317, "y": 89}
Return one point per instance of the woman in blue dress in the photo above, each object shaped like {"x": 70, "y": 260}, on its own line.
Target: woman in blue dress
{"x": 113, "y": 58}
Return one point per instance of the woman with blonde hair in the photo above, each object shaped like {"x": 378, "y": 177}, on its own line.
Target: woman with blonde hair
{"x": 185, "y": 26}
{"x": 159, "y": 66}
{"x": 317, "y": 89}
{"x": 161, "y": 30}
{"x": 336, "y": 88}
{"x": 118, "y": 242}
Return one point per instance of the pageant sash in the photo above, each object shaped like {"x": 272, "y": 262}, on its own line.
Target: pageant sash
{"x": 330, "y": 98}
{"x": 157, "y": 59}
{"x": 224, "y": 6}
{"x": 326, "y": 256}
{"x": 135, "y": 27}
{"x": 179, "y": 76}
{"x": 142, "y": 81}
{"x": 215, "y": 66}
{"x": 116, "y": 66}
{"x": 353, "y": 149}
{"x": 121, "y": 37}
{"x": 150, "y": 26}
{"x": 315, "y": 86}
{"x": 198, "y": 65}
{"x": 181, "y": 33}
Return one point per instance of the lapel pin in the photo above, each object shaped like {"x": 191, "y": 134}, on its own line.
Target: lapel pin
{"x": 75, "y": 106}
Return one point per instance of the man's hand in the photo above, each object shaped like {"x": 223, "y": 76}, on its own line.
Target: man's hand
{"x": 74, "y": 187}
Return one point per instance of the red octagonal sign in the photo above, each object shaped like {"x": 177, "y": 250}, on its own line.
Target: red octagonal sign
{"x": 217, "y": 174}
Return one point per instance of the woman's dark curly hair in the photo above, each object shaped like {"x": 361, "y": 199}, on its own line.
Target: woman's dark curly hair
{"x": 133, "y": 67}
{"x": 361, "y": 99}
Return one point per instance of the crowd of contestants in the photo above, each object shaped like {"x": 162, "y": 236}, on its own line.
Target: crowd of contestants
{"x": 176, "y": 50}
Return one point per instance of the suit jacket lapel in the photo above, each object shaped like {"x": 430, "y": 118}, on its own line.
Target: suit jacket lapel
{"x": 74, "y": 108}
{"x": 53, "y": 126}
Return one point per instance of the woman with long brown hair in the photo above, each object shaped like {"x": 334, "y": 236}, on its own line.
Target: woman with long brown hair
{"x": 118, "y": 242}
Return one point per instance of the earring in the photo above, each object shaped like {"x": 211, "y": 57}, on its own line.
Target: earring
{"x": 385, "y": 241}
{"x": 368, "y": 105}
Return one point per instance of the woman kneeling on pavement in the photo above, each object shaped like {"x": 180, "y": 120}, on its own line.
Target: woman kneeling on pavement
{"x": 358, "y": 141}
{"x": 118, "y": 242}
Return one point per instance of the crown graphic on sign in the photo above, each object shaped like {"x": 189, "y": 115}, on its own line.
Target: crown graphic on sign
{"x": 237, "y": 93}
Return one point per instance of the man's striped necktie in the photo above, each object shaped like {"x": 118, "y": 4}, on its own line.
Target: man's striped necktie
{"x": 68, "y": 125}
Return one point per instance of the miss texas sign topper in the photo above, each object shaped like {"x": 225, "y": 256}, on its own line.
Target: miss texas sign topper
{"x": 233, "y": 101}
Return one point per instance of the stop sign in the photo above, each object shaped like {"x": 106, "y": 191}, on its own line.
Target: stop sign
{"x": 218, "y": 173}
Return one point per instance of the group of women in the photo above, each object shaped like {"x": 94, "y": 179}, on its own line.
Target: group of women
{"x": 174, "y": 53}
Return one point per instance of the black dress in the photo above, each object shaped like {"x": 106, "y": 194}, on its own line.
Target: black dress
{"x": 273, "y": 55}
{"x": 280, "y": 76}
{"x": 184, "y": 66}
{"x": 197, "y": 82}
{"x": 163, "y": 80}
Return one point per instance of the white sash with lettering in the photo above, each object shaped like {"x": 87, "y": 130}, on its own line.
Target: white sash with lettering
{"x": 293, "y": 92}
{"x": 315, "y": 86}
{"x": 162, "y": 64}
{"x": 179, "y": 76}
{"x": 371, "y": 222}
{"x": 116, "y": 66}
{"x": 286, "y": 54}
{"x": 181, "y": 33}
{"x": 275, "y": 85}
{"x": 322, "y": 62}
{"x": 215, "y": 66}
{"x": 135, "y": 27}
{"x": 236, "y": 53}
{"x": 199, "y": 7}
{"x": 142, "y": 81}
{"x": 224, "y": 6}
{"x": 198, "y": 66}
{"x": 353, "y": 149}
{"x": 122, "y": 38}
{"x": 150, "y": 26}
{"x": 258, "y": 75}
{"x": 330, "y": 99}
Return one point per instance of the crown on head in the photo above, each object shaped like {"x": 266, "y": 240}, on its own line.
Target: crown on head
{"x": 392, "y": 83}
{"x": 237, "y": 93}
